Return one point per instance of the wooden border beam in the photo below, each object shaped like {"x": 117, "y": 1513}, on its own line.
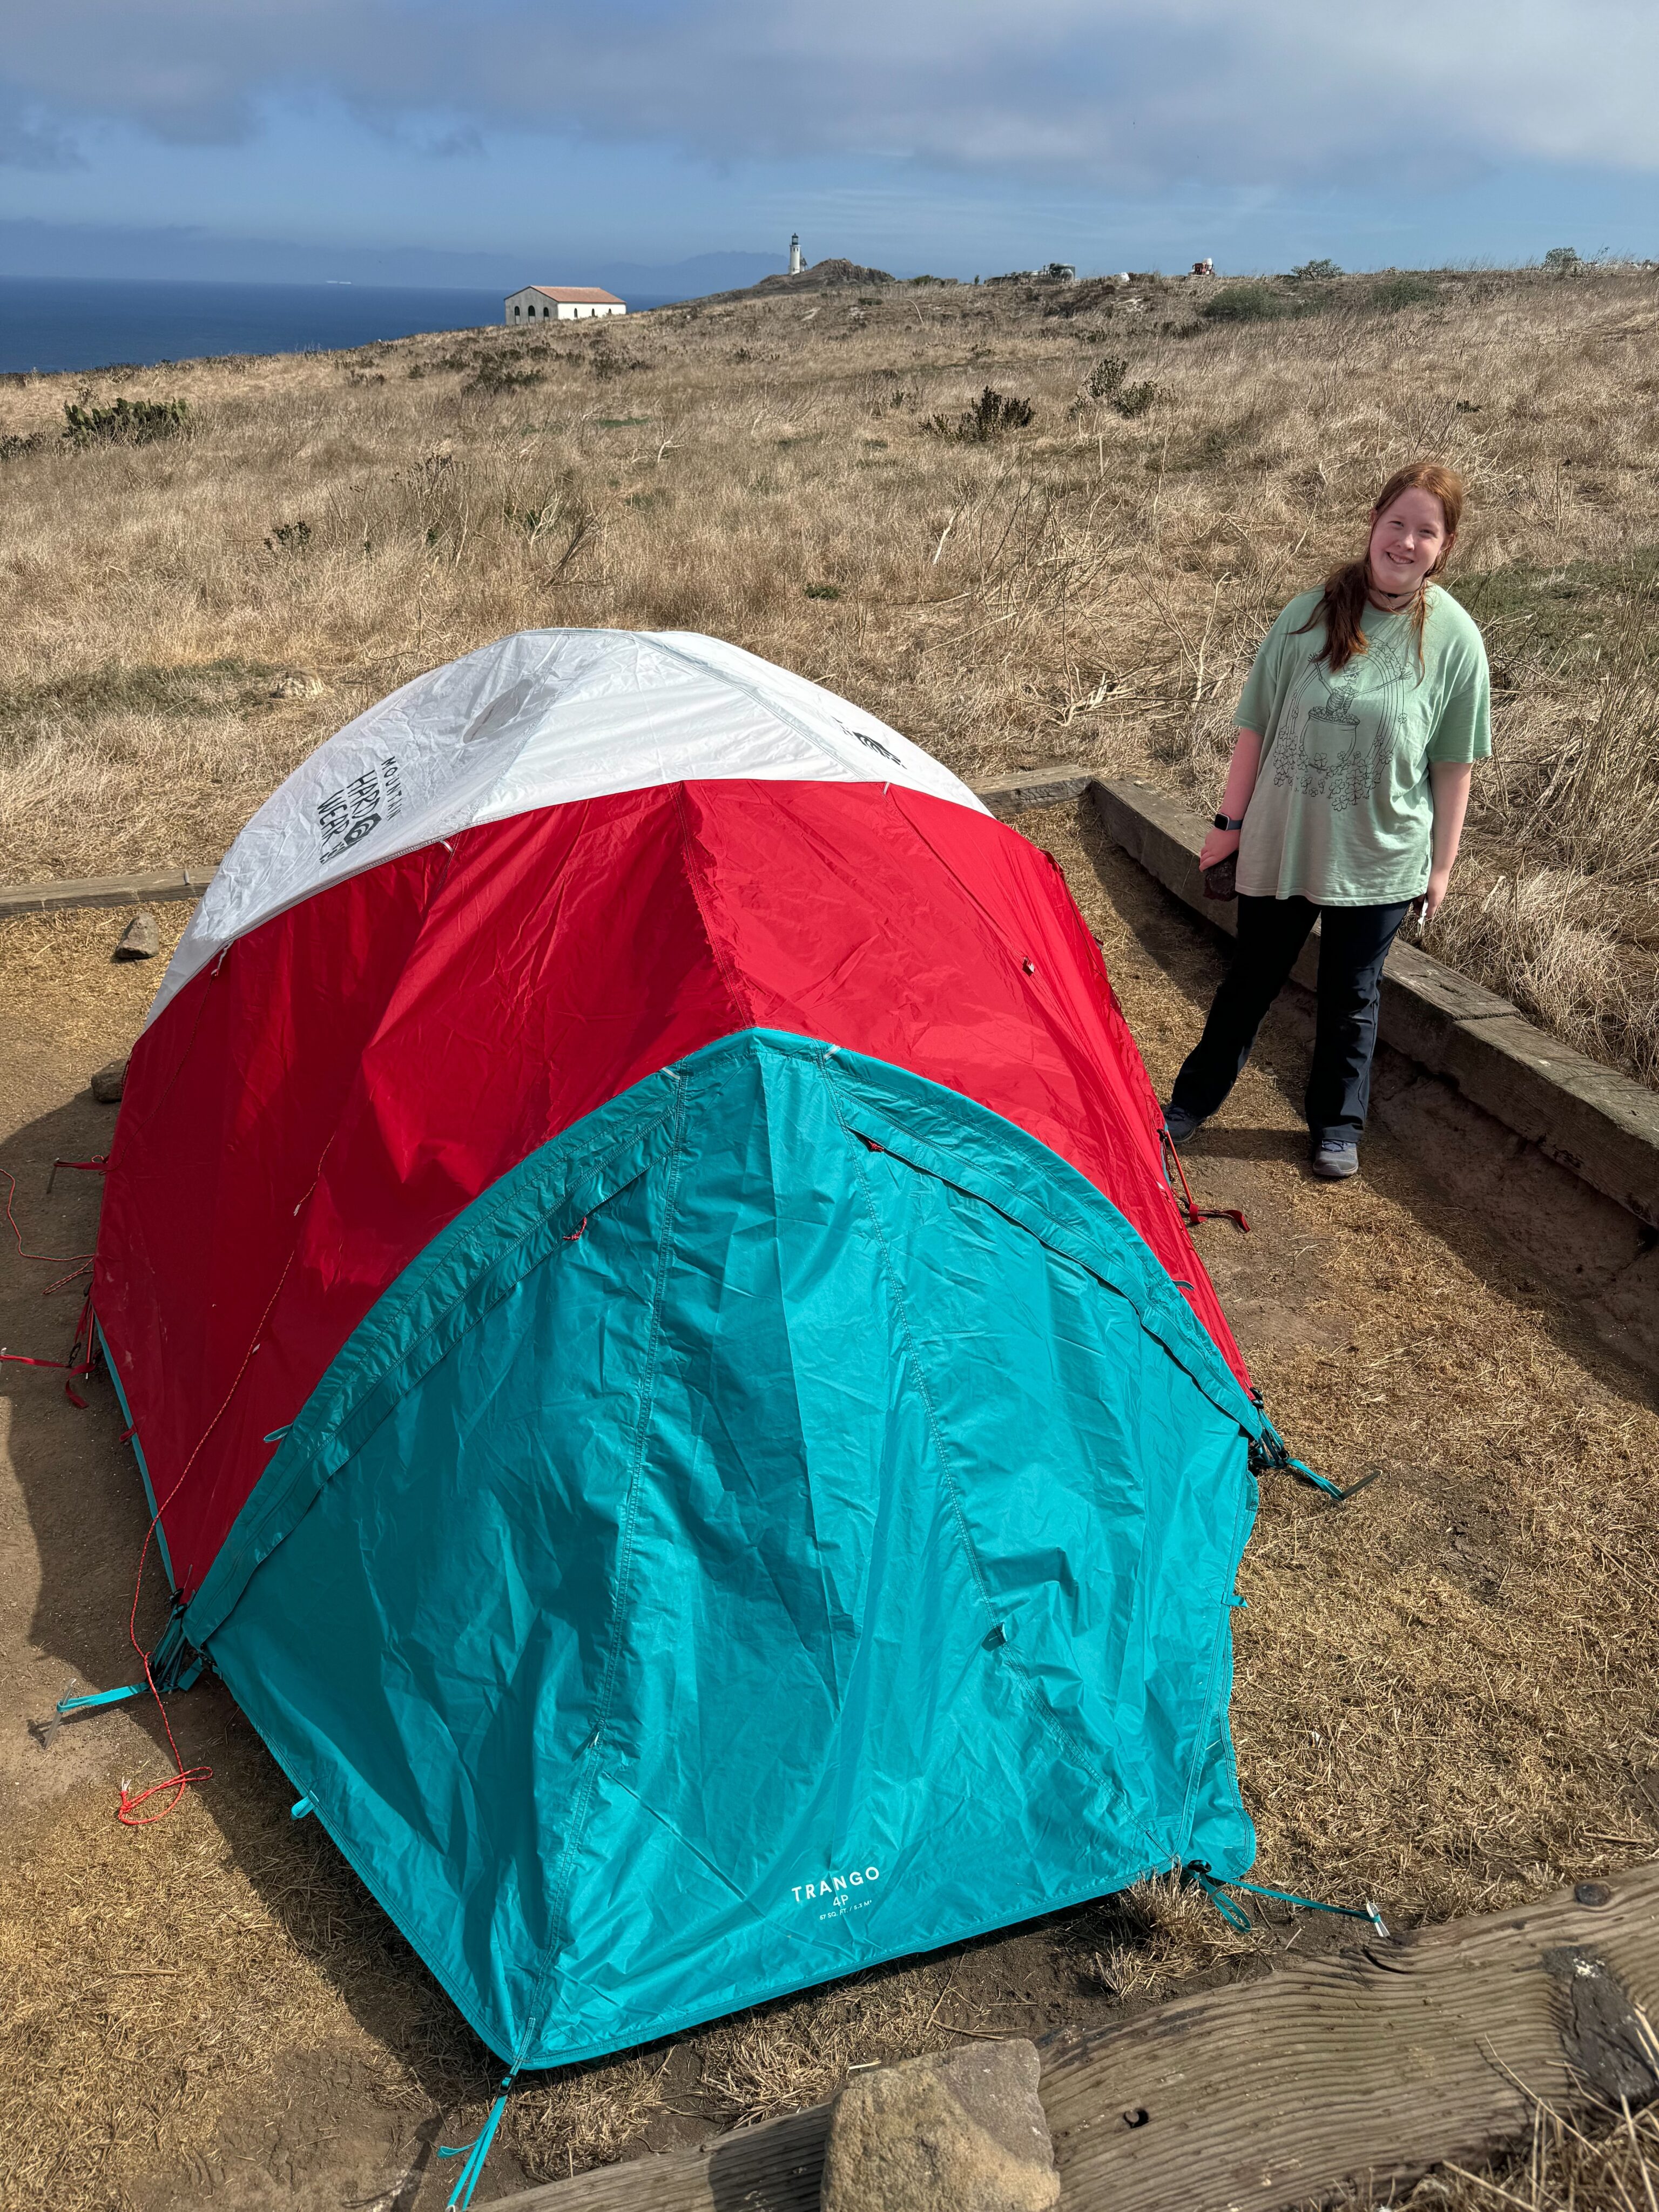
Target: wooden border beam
{"x": 1370, "y": 2066}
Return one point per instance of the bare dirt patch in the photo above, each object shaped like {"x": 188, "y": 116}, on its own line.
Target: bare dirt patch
{"x": 1445, "y": 1689}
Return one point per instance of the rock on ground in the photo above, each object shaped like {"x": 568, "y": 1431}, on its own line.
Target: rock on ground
{"x": 140, "y": 939}
{"x": 960, "y": 2132}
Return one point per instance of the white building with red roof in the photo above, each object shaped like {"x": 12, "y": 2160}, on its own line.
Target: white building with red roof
{"x": 561, "y": 303}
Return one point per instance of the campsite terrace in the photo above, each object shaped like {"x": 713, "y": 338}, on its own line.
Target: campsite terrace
{"x": 1444, "y": 1701}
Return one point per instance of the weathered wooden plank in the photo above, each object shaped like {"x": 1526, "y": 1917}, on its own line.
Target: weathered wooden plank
{"x": 1033, "y": 787}
{"x": 105, "y": 891}
{"x": 773, "y": 2168}
{"x": 1376, "y": 2064}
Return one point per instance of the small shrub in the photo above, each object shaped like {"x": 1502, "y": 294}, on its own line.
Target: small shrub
{"x": 1250, "y": 303}
{"x": 1107, "y": 376}
{"x": 1314, "y": 272}
{"x": 1134, "y": 399}
{"x": 288, "y": 537}
{"x": 493, "y": 374}
{"x": 1562, "y": 260}
{"x": 991, "y": 415}
{"x": 10, "y": 447}
{"x": 1400, "y": 288}
{"x": 129, "y": 423}
{"x": 824, "y": 591}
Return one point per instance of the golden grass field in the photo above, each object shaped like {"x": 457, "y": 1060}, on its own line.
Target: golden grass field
{"x": 1445, "y": 1691}
{"x": 185, "y": 619}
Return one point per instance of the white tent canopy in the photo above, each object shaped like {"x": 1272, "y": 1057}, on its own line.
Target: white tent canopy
{"x": 537, "y": 720}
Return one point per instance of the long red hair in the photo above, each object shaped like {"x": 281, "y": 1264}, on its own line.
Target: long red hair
{"x": 1342, "y": 603}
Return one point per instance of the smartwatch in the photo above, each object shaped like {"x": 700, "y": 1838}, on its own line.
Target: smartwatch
{"x": 1228, "y": 821}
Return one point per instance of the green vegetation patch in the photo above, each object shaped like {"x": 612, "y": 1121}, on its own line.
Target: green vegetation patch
{"x": 1567, "y": 614}
{"x": 188, "y": 689}
{"x": 1401, "y": 288}
{"x": 495, "y": 374}
{"x": 127, "y": 422}
{"x": 1255, "y": 301}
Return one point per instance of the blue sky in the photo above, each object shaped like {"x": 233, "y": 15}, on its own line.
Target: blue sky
{"x": 429, "y": 139}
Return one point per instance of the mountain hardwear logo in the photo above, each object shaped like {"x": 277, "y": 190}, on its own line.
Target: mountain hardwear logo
{"x": 345, "y": 818}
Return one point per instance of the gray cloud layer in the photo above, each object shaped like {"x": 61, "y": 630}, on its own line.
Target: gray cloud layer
{"x": 1118, "y": 91}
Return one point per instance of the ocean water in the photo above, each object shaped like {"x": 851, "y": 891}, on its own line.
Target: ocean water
{"x": 61, "y": 322}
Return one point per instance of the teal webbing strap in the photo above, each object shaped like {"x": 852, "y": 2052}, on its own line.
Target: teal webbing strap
{"x": 1236, "y": 1917}
{"x": 1334, "y": 1491}
{"x": 300, "y": 1808}
{"x": 67, "y": 1705}
{"x": 476, "y": 2153}
{"x": 1269, "y": 1450}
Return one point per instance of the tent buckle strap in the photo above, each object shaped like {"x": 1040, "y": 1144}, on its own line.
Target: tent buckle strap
{"x": 83, "y": 1704}
{"x": 1237, "y": 1917}
{"x": 1269, "y": 1455}
{"x": 173, "y": 1664}
{"x": 475, "y": 2153}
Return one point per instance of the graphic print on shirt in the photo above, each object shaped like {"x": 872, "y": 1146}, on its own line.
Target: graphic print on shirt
{"x": 1342, "y": 749}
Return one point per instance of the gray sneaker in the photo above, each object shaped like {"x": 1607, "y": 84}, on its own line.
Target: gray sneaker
{"x": 1335, "y": 1160}
{"x": 1181, "y": 1124}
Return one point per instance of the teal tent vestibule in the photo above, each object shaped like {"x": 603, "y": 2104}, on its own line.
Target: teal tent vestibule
{"x": 787, "y": 1523}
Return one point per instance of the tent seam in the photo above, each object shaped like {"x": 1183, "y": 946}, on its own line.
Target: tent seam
{"x": 1006, "y": 1657}
{"x": 583, "y": 1810}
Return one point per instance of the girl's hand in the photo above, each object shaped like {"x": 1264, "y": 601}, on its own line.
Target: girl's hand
{"x": 1439, "y": 878}
{"x": 1217, "y": 846}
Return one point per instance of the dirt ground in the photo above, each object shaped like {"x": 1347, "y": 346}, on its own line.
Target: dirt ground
{"x": 1446, "y": 1695}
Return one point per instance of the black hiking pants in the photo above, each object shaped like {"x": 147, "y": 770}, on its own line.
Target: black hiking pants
{"x": 1353, "y": 943}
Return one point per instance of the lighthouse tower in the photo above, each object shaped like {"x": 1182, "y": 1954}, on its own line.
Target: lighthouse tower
{"x": 794, "y": 253}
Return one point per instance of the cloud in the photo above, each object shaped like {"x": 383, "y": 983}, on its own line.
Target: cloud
{"x": 1097, "y": 93}
{"x": 29, "y": 140}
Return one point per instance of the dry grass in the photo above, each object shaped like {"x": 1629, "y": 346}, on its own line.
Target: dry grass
{"x": 187, "y": 618}
{"x": 1445, "y": 1699}
{"x": 1609, "y": 2164}
{"x": 1445, "y": 1693}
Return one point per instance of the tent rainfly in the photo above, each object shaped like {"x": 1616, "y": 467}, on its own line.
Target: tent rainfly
{"x": 681, "y": 1405}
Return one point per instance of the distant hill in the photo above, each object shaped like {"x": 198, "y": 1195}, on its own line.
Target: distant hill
{"x": 690, "y": 279}
{"x": 826, "y": 275}
{"x": 193, "y": 254}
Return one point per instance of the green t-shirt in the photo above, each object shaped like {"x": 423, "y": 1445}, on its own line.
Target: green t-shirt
{"x": 1342, "y": 811}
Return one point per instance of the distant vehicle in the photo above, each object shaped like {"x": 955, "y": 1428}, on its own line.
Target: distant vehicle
{"x": 560, "y": 303}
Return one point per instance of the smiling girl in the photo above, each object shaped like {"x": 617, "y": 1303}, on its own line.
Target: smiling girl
{"x": 1365, "y": 709}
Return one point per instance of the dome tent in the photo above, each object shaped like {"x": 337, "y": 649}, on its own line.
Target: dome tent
{"x": 681, "y": 1405}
